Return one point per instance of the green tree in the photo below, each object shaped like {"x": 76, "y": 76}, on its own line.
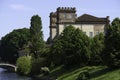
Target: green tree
{"x": 60, "y": 46}
{"x": 37, "y": 42}
{"x": 72, "y": 47}
{"x": 111, "y": 54}
{"x": 36, "y": 65}
{"x": 67, "y": 44}
{"x": 12, "y": 42}
{"x": 56, "y": 55}
{"x": 82, "y": 47}
{"x": 97, "y": 47}
{"x": 76, "y": 47}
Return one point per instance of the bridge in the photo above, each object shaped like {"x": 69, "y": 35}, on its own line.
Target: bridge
{"x": 7, "y": 66}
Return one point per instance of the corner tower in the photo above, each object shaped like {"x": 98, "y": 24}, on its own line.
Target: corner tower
{"x": 65, "y": 15}
{"x": 59, "y": 19}
{"x": 53, "y": 20}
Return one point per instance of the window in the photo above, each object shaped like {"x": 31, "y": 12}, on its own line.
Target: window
{"x": 91, "y": 34}
{"x": 97, "y": 32}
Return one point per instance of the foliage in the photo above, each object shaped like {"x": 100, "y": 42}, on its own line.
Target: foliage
{"x": 37, "y": 43}
{"x": 84, "y": 76}
{"x": 37, "y": 63}
{"x": 56, "y": 54}
{"x": 45, "y": 70}
{"x": 72, "y": 74}
{"x": 12, "y": 42}
{"x": 111, "y": 54}
{"x": 81, "y": 47}
{"x": 76, "y": 46}
{"x": 24, "y": 65}
{"x": 71, "y": 48}
{"x": 97, "y": 48}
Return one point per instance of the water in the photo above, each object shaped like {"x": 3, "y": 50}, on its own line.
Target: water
{"x": 5, "y": 75}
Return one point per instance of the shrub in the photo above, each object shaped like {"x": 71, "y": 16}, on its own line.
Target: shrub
{"x": 24, "y": 65}
{"x": 37, "y": 64}
{"x": 45, "y": 70}
{"x": 84, "y": 76}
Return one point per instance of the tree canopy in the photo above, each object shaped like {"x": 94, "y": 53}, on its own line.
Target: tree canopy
{"x": 72, "y": 47}
{"x": 12, "y": 42}
{"x": 111, "y": 54}
{"x": 37, "y": 42}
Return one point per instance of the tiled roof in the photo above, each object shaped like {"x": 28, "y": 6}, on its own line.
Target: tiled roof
{"x": 90, "y": 19}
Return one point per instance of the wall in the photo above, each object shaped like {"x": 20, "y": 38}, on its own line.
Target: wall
{"x": 53, "y": 32}
{"x": 87, "y": 28}
{"x": 99, "y": 28}
{"x": 61, "y": 28}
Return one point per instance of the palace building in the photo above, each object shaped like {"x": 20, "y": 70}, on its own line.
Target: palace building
{"x": 65, "y": 16}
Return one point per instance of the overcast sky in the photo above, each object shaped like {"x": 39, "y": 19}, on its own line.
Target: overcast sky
{"x": 15, "y": 14}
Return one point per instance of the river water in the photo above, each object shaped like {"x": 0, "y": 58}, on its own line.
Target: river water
{"x": 5, "y": 75}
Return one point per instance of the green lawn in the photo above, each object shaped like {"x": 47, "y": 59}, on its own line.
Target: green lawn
{"x": 96, "y": 73}
{"x": 110, "y": 75}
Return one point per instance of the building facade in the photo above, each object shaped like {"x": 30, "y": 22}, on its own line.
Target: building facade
{"x": 65, "y": 16}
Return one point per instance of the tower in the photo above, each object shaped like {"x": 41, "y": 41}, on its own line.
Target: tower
{"x": 60, "y": 18}
{"x": 66, "y": 15}
{"x": 53, "y": 20}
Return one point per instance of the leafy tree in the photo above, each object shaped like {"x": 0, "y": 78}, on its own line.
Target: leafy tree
{"x": 24, "y": 65}
{"x": 36, "y": 65}
{"x": 12, "y": 42}
{"x": 111, "y": 54}
{"x": 56, "y": 54}
{"x": 37, "y": 43}
{"x": 76, "y": 48}
{"x": 67, "y": 44}
{"x": 97, "y": 48}
{"x": 61, "y": 45}
{"x": 67, "y": 39}
{"x": 82, "y": 47}
{"x": 72, "y": 47}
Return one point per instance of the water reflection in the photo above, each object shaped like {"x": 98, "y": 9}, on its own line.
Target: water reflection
{"x": 5, "y": 75}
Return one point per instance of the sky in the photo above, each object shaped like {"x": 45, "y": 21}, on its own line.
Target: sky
{"x": 16, "y": 14}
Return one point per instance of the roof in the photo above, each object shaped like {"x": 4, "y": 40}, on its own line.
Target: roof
{"x": 86, "y": 18}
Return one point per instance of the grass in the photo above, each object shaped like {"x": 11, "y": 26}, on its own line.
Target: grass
{"x": 96, "y": 73}
{"x": 110, "y": 75}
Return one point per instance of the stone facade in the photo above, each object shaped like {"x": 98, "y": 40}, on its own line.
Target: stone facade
{"x": 65, "y": 16}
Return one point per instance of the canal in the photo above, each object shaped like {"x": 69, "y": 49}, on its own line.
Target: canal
{"x": 5, "y": 75}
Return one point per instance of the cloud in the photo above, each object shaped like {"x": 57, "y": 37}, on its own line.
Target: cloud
{"x": 19, "y": 7}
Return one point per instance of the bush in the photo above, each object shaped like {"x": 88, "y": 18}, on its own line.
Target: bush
{"x": 84, "y": 76}
{"x": 37, "y": 64}
{"x": 45, "y": 70}
{"x": 24, "y": 65}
